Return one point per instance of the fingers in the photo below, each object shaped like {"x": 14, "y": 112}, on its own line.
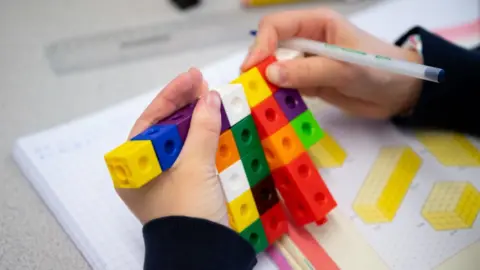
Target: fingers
{"x": 310, "y": 24}
{"x": 308, "y": 72}
{"x": 202, "y": 140}
{"x": 203, "y": 89}
{"x": 178, "y": 93}
{"x": 352, "y": 105}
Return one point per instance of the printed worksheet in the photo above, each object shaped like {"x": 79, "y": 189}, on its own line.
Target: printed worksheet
{"x": 414, "y": 196}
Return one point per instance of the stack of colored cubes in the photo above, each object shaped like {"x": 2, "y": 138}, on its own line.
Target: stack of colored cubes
{"x": 263, "y": 148}
{"x": 287, "y": 129}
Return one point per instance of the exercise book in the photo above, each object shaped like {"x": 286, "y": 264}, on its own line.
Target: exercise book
{"x": 65, "y": 164}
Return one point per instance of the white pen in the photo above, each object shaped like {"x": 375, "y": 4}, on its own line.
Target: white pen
{"x": 361, "y": 58}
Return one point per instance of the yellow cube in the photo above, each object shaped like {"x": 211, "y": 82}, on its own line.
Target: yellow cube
{"x": 256, "y": 88}
{"x": 243, "y": 211}
{"x": 133, "y": 164}
{"x": 231, "y": 222}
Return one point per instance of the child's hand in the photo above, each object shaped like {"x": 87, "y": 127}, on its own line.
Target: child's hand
{"x": 356, "y": 89}
{"x": 191, "y": 187}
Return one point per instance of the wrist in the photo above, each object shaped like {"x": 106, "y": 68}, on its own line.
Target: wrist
{"x": 224, "y": 220}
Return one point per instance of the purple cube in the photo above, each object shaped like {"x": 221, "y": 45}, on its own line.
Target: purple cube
{"x": 290, "y": 102}
{"x": 225, "y": 122}
{"x": 181, "y": 119}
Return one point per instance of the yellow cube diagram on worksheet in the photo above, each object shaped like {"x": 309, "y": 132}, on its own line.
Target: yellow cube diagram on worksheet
{"x": 327, "y": 153}
{"x": 452, "y": 205}
{"x": 255, "y": 87}
{"x": 242, "y": 211}
{"x": 386, "y": 184}
{"x": 451, "y": 149}
{"x": 133, "y": 164}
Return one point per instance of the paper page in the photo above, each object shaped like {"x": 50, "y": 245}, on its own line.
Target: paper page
{"x": 421, "y": 233}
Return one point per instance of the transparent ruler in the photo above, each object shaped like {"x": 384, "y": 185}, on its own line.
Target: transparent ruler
{"x": 103, "y": 49}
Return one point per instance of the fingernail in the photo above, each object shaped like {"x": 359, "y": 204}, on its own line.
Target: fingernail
{"x": 276, "y": 74}
{"x": 213, "y": 101}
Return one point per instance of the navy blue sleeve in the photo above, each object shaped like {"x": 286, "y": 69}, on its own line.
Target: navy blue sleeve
{"x": 453, "y": 104}
{"x": 191, "y": 243}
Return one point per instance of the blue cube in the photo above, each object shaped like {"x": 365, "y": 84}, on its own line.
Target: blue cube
{"x": 166, "y": 141}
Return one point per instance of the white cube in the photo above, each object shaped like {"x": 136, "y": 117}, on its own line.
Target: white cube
{"x": 234, "y": 101}
{"x": 234, "y": 181}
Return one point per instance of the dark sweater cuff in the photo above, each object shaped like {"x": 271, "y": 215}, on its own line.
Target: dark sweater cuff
{"x": 191, "y": 243}
{"x": 448, "y": 105}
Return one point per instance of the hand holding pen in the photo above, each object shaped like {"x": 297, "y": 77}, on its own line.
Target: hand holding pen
{"x": 360, "y": 83}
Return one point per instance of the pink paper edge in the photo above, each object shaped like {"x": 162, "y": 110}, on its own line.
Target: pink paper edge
{"x": 458, "y": 31}
{"x": 311, "y": 249}
{"x": 278, "y": 258}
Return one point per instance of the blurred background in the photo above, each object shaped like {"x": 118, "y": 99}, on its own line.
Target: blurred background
{"x": 57, "y": 64}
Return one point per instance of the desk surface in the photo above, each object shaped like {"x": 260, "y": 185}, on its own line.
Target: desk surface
{"x": 33, "y": 98}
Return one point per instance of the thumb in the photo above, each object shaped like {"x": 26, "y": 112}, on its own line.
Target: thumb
{"x": 202, "y": 140}
{"x": 306, "y": 72}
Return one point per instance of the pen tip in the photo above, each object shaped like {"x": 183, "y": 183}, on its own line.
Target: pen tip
{"x": 441, "y": 76}
{"x": 253, "y": 32}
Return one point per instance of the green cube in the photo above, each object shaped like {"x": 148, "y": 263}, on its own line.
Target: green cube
{"x": 256, "y": 166}
{"x": 255, "y": 235}
{"x": 246, "y": 136}
{"x": 307, "y": 129}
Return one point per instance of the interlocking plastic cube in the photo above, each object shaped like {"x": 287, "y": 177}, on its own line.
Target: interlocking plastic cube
{"x": 291, "y": 102}
{"x": 262, "y": 159}
{"x": 452, "y": 205}
{"x": 181, "y": 119}
{"x": 166, "y": 141}
{"x": 133, "y": 164}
